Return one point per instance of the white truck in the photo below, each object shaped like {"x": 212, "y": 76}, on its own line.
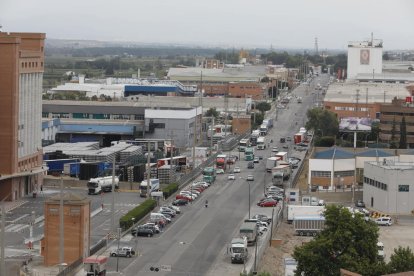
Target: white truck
{"x": 280, "y": 173}
{"x": 268, "y": 122}
{"x": 101, "y": 184}
{"x": 308, "y": 225}
{"x": 261, "y": 143}
{"x": 249, "y": 230}
{"x": 301, "y": 210}
{"x": 154, "y": 187}
{"x": 283, "y": 156}
{"x": 263, "y": 130}
{"x": 271, "y": 162}
{"x": 238, "y": 250}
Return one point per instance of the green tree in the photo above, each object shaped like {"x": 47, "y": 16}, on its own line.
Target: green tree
{"x": 322, "y": 122}
{"x": 401, "y": 260}
{"x": 228, "y": 57}
{"x": 347, "y": 241}
{"x": 393, "y": 143}
{"x": 258, "y": 121}
{"x": 403, "y": 134}
{"x": 212, "y": 112}
{"x": 263, "y": 106}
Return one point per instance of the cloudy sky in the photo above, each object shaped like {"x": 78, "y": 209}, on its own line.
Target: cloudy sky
{"x": 228, "y": 23}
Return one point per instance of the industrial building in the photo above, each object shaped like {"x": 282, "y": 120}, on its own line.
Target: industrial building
{"x": 388, "y": 187}
{"x": 21, "y": 77}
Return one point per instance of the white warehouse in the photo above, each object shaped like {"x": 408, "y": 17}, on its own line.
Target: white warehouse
{"x": 389, "y": 187}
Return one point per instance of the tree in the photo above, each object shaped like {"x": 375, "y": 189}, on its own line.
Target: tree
{"x": 258, "y": 121}
{"x": 347, "y": 241}
{"x": 263, "y": 106}
{"x": 401, "y": 260}
{"x": 393, "y": 143}
{"x": 322, "y": 122}
{"x": 212, "y": 112}
{"x": 403, "y": 134}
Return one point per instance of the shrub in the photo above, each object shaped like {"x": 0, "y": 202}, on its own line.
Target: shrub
{"x": 138, "y": 213}
{"x": 170, "y": 189}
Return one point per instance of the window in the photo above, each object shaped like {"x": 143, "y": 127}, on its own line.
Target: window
{"x": 120, "y": 117}
{"x": 45, "y": 114}
{"x": 60, "y": 115}
{"x": 320, "y": 173}
{"x": 343, "y": 173}
{"x": 403, "y": 188}
{"x": 139, "y": 117}
{"x": 159, "y": 125}
{"x": 80, "y": 115}
{"x": 101, "y": 116}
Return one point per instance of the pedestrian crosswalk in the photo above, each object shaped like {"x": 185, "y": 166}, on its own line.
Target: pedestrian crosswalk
{"x": 16, "y": 228}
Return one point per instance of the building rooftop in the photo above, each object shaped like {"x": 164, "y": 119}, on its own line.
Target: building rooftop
{"x": 374, "y": 153}
{"x": 368, "y": 92}
{"x": 333, "y": 153}
{"x": 172, "y": 114}
{"x": 393, "y": 165}
{"x": 386, "y": 77}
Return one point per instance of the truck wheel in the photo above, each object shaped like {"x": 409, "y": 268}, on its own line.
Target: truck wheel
{"x": 301, "y": 233}
{"x": 314, "y": 234}
{"x": 113, "y": 255}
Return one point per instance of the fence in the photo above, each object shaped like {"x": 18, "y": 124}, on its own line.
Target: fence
{"x": 70, "y": 269}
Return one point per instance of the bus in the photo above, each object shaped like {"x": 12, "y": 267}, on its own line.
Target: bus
{"x": 243, "y": 144}
{"x": 209, "y": 175}
{"x": 221, "y": 161}
{"x": 261, "y": 143}
{"x": 249, "y": 154}
{"x": 154, "y": 187}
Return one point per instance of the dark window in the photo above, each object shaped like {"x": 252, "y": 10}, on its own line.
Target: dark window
{"x": 403, "y": 188}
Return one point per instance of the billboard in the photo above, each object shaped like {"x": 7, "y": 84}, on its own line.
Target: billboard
{"x": 351, "y": 124}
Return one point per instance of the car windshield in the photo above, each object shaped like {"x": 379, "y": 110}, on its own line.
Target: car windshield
{"x": 237, "y": 250}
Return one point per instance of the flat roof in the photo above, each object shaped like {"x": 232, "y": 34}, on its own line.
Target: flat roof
{"x": 347, "y": 92}
{"x": 393, "y": 165}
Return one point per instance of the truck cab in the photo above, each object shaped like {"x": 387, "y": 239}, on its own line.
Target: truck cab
{"x": 238, "y": 250}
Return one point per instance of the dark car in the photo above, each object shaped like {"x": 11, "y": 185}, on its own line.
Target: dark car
{"x": 282, "y": 140}
{"x": 250, "y": 165}
{"x": 360, "y": 203}
{"x": 180, "y": 202}
{"x": 142, "y": 231}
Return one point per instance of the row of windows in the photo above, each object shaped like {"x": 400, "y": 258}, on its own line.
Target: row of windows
{"x": 328, "y": 173}
{"x": 350, "y": 108}
{"x": 31, "y": 64}
{"x": 94, "y": 116}
{"x": 375, "y": 183}
{"x": 398, "y": 114}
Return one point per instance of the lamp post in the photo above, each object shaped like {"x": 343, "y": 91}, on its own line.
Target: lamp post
{"x": 117, "y": 252}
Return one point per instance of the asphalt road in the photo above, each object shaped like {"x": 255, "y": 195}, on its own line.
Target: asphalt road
{"x": 193, "y": 241}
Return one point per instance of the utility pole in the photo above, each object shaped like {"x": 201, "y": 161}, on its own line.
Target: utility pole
{"x": 226, "y": 109}
{"x": 195, "y": 138}
{"x": 61, "y": 228}
{"x": 113, "y": 230}
{"x": 171, "y": 154}
{"x": 211, "y": 136}
{"x": 149, "y": 168}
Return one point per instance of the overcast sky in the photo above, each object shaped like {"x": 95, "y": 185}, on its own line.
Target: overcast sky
{"x": 228, "y": 23}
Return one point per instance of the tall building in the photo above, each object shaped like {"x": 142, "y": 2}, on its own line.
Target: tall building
{"x": 364, "y": 57}
{"x": 21, "y": 76}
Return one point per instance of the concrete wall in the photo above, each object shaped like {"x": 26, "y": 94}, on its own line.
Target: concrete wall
{"x": 356, "y": 61}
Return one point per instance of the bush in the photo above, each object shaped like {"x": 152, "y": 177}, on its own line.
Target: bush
{"x": 138, "y": 213}
{"x": 170, "y": 189}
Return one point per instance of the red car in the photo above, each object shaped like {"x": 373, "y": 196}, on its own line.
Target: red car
{"x": 183, "y": 197}
{"x": 268, "y": 203}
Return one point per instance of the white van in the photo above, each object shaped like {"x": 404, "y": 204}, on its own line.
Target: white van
{"x": 158, "y": 216}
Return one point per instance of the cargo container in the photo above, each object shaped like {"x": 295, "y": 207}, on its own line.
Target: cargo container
{"x": 72, "y": 169}
{"x": 308, "y": 226}
{"x": 93, "y": 169}
{"x": 57, "y": 165}
{"x": 301, "y": 210}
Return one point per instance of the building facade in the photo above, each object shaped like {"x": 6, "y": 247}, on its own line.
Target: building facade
{"x": 234, "y": 90}
{"x": 21, "y": 77}
{"x": 388, "y": 187}
{"x": 394, "y": 112}
{"x": 364, "y": 57}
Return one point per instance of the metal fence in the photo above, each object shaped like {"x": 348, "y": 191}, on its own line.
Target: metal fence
{"x": 72, "y": 268}
{"x": 101, "y": 244}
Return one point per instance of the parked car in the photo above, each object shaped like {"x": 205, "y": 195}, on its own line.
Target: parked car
{"x": 360, "y": 203}
{"x": 123, "y": 252}
{"x": 288, "y": 138}
{"x": 285, "y": 146}
{"x": 256, "y": 160}
{"x": 275, "y": 149}
{"x": 167, "y": 211}
{"x": 384, "y": 221}
{"x": 260, "y": 157}
{"x": 236, "y": 169}
{"x": 184, "y": 197}
{"x": 180, "y": 202}
{"x": 282, "y": 140}
{"x": 142, "y": 231}
{"x": 150, "y": 225}
{"x": 231, "y": 177}
{"x": 250, "y": 165}
{"x": 250, "y": 177}
{"x": 267, "y": 203}
{"x": 155, "y": 227}
{"x": 262, "y": 217}
{"x": 172, "y": 207}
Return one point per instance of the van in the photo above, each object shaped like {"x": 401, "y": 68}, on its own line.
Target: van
{"x": 159, "y": 216}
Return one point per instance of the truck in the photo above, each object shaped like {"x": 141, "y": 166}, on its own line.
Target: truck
{"x": 249, "y": 154}
{"x": 283, "y": 156}
{"x": 56, "y": 166}
{"x": 95, "y": 265}
{"x": 71, "y": 169}
{"x": 243, "y": 144}
{"x": 249, "y": 230}
{"x": 308, "y": 225}
{"x": 261, "y": 143}
{"x": 301, "y": 210}
{"x": 209, "y": 175}
{"x": 238, "y": 250}
{"x": 310, "y": 201}
{"x": 271, "y": 162}
{"x": 280, "y": 173}
{"x": 299, "y": 99}
{"x": 263, "y": 130}
{"x": 154, "y": 187}
{"x": 253, "y": 138}
{"x": 221, "y": 161}
{"x": 268, "y": 122}
{"x": 299, "y": 137}
{"x": 101, "y": 184}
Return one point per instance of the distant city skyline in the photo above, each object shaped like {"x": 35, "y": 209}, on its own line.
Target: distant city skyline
{"x": 242, "y": 23}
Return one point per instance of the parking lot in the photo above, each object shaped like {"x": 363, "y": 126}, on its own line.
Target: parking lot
{"x": 396, "y": 235}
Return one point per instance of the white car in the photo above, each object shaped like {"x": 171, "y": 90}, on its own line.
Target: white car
{"x": 231, "y": 177}
{"x": 250, "y": 177}
{"x": 387, "y": 221}
{"x": 236, "y": 169}
{"x": 275, "y": 149}
{"x": 219, "y": 171}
